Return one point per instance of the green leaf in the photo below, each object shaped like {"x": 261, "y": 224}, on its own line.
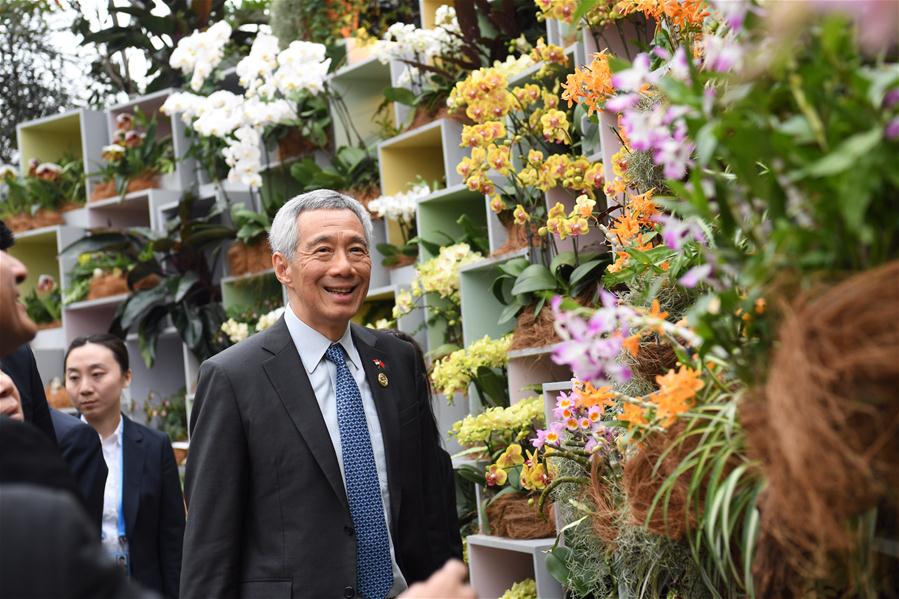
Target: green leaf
{"x": 583, "y": 271}
{"x": 472, "y": 473}
{"x": 583, "y": 7}
{"x": 443, "y": 350}
{"x": 706, "y": 143}
{"x": 556, "y": 564}
{"x": 141, "y": 302}
{"x": 400, "y": 95}
{"x": 387, "y": 249}
{"x": 846, "y": 155}
{"x": 562, "y": 259}
{"x": 509, "y": 312}
{"x": 185, "y": 284}
{"x": 535, "y": 277}
{"x": 493, "y": 385}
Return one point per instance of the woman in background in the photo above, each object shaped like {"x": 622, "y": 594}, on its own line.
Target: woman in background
{"x": 143, "y": 508}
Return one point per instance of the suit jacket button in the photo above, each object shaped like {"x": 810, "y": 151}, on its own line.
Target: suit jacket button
{"x": 349, "y": 530}
{"x": 349, "y": 592}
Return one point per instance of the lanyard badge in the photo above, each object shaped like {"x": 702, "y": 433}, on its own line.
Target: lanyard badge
{"x": 121, "y": 550}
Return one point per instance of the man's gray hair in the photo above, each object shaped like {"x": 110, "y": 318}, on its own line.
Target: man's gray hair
{"x": 285, "y": 236}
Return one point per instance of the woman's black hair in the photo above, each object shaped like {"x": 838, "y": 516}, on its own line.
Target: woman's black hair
{"x": 420, "y": 357}
{"x": 110, "y": 342}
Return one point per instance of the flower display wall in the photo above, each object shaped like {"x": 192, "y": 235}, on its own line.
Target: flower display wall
{"x": 276, "y": 83}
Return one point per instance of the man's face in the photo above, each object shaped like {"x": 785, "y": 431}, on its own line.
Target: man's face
{"x": 327, "y": 280}
{"x": 15, "y": 326}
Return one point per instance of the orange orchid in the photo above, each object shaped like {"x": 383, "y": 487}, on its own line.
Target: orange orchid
{"x": 632, "y": 415}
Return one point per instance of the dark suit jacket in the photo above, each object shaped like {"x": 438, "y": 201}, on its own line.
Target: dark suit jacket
{"x": 22, "y": 368}
{"x": 154, "y": 508}
{"x": 28, "y": 457}
{"x": 267, "y": 508}
{"x": 50, "y": 549}
{"x": 80, "y": 447}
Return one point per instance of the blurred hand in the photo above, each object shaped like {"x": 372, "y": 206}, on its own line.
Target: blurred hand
{"x": 10, "y": 402}
{"x": 446, "y": 583}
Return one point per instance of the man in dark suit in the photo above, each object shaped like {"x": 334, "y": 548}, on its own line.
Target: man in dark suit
{"x": 80, "y": 447}
{"x": 16, "y": 329}
{"x": 313, "y": 466}
{"x": 49, "y": 547}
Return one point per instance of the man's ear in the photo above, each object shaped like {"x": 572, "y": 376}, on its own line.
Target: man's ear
{"x": 282, "y": 268}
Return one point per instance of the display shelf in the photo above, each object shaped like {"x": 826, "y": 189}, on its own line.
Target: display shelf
{"x": 560, "y": 33}
{"x": 431, "y": 152}
{"x": 165, "y": 378}
{"x": 361, "y": 87}
{"x": 168, "y": 331}
{"x": 134, "y": 209}
{"x": 496, "y": 563}
{"x": 184, "y": 175}
{"x": 38, "y": 250}
{"x": 79, "y": 133}
{"x": 441, "y": 210}
{"x": 447, "y": 414}
{"x": 532, "y": 366}
{"x": 378, "y": 305}
{"x": 90, "y": 316}
{"x": 380, "y": 274}
{"x": 428, "y": 11}
{"x": 480, "y": 309}
{"x": 49, "y": 359}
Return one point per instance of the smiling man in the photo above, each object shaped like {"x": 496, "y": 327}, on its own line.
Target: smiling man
{"x": 313, "y": 460}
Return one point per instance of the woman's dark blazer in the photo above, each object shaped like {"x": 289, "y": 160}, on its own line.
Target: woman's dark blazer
{"x": 154, "y": 508}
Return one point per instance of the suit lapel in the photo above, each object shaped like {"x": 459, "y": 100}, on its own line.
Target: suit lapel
{"x": 133, "y": 467}
{"x": 388, "y": 411}
{"x": 287, "y": 375}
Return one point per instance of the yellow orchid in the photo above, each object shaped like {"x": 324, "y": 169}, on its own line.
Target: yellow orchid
{"x": 511, "y": 457}
{"x": 521, "y": 215}
{"x": 495, "y": 476}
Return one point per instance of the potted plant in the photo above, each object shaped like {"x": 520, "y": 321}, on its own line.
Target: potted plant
{"x": 44, "y": 303}
{"x": 40, "y": 197}
{"x": 353, "y": 171}
{"x": 100, "y": 274}
{"x": 483, "y": 364}
{"x": 250, "y": 252}
{"x": 401, "y": 208}
{"x": 136, "y": 158}
{"x": 437, "y": 280}
{"x": 514, "y": 474}
{"x": 186, "y": 294}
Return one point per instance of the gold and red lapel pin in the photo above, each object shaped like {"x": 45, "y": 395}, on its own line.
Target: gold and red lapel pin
{"x": 382, "y": 377}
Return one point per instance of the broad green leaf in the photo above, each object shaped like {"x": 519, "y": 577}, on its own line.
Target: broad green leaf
{"x": 846, "y": 155}
{"x": 400, "y": 95}
{"x": 185, "y": 284}
{"x": 535, "y": 277}
{"x": 583, "y": 7}
{"x": 142, "y": 301}
{"x": 583, "y": 271}
{"x": 563, "y": 258}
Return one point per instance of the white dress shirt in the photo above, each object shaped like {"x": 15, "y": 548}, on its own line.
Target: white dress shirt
{"x": 112, "y": 453}
{"x": 311, "y": 346}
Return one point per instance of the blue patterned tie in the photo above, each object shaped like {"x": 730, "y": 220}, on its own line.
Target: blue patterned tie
{"x": 374, "y": 567}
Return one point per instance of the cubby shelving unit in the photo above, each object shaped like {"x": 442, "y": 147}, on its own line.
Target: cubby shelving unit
{"x": 79, "y": 133}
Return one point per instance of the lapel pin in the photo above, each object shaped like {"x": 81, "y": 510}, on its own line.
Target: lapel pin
{"x": 382, "y": 379}
{"x": 378, "y": 363}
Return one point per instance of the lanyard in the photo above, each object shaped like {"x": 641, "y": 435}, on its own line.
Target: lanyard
{"x": 121, "y": 512}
